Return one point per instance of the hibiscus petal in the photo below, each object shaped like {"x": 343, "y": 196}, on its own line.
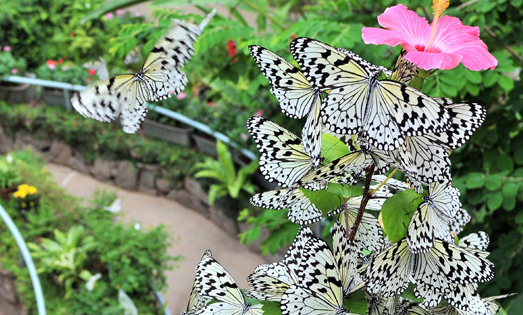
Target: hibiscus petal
{"x": 451, "y": 34}
{"x": 414, "y": 29}
{"x": 378, "y": 36}
{"x": 477, "y": 57}
{"x": 427, "y": 60}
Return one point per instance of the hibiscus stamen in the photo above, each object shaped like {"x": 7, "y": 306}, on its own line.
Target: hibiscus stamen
{"x": 438, "y": 6}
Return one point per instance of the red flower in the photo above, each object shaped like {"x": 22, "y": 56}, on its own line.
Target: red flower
{"x": 258, "y": 113}
{"x": 51, "y": 64}
{"x": 60, "y": 61}
{"x": 210, "y": 104}
{"x": 89, "y": 80}
{"x": 293, "y": 36}
{"x": 92, "y": 72}
{"x": 72, "y": 34}
{"x": 231, "y": 48}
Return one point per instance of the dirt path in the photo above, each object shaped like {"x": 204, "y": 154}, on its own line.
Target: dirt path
{"x": 193, "y": 233}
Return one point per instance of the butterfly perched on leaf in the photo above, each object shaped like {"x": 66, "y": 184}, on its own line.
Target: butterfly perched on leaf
{"x": 296, "y": 96}
{"x": 384, "y": 111}
{"x": 126, "y": 95}
{"x": 214, "y": 282}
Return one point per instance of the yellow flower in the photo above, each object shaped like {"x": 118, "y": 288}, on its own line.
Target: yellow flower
{"x": 23, "y": 187}
{"x": 23, "y": 204}
{"x": 32, "y": 190}
{"x": 20, "y": 194}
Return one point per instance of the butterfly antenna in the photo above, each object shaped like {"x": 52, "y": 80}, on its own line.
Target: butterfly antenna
{"x": 209, "y": 16}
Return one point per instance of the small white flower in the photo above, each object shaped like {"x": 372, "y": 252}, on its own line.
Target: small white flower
{"x": 137, "y": 226}
{"x": 115, "y": 207}
{"x": 9, "y": 159}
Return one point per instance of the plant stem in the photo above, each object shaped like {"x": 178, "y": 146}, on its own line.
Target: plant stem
{"x": 364, "y": 201}
{"x": 385, "y": 181}
{"x": 346, "y": 216}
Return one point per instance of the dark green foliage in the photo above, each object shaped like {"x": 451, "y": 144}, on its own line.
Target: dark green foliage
{"x": 95, "y": 139}
{"x": 127, "y": 258}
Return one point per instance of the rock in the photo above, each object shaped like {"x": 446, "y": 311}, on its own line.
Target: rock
{"x": 77, "y": 162}
{"x": 185, "y": 198}
{"x": 6, "y": 143}
{"x": 218, "y": 216}
{"x": 163, "y": 185}
{"x": 60, "y": 152}
{"x": 152, "y": 167}
{"x": 9, "y": 301}
{"x": 24, "y": 141}
{"x": 196, "y": 190}
{"x": 126, "y": 175}
{"x": 102, "y": 169}
{"x": 147, "y": 179}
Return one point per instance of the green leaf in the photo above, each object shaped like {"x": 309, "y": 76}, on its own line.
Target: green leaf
{"x": 397, "y": 212}
{"x": 475, "y": 180}
{"x": 271, "y": 308}
{"x": 323, "y": 199}
{"x": 509, "y": 203}
{"x": 332, "y": 148}
{"x": 347, "y": 191}
{"x": 215, "y": 192}
{"x": 225, "y": 158}
{"x": 356, "y": 302}
{"x": 510, "y": 190}
{"x": 493, "y": 182}
{"x": 494, "y": 200}
{"x": 473, "y": 76}
{"x": 504, "y": 162}
{"x": 506, "y": 83}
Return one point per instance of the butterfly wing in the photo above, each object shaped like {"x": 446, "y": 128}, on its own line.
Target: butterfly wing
{"x": 388, "y": 273}
{"x": 345, "y": 256}
{"x": 282, "y": 157}
{"x": 196, "y": 302}
{"x": 289, "y": 85}
{"x": 213, "y": 281}
{"x": 425, "y": 226}
{"x": 444, "y": 199}
{"x": 479, "y": 241}
{"x": 269, "y": 282}
{"x": 404, "y": 70}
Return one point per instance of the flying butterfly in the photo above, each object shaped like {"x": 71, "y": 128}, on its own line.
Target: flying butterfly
{"x": 384, "y": 111}
{"x": 125, "y": 95}
{"x": 434, "y": 272}
{"x": 213, "y": 281}
{"x": 296, "y": 96}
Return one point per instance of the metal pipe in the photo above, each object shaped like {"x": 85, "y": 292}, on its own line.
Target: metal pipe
{"x": 40, "y": 302}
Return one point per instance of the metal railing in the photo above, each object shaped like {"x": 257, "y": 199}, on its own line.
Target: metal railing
{"x": 39, "y": 295}
{"x": 161, "y": 110}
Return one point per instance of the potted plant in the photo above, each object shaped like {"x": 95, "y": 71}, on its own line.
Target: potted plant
{"x": 8, "y": 179}
{"x": 62, "y": 71}
{"x": 10, "y": 65}
{"x": 26, "y": 198}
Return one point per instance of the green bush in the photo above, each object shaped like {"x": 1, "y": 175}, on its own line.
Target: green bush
{"x": 126, "y": 258}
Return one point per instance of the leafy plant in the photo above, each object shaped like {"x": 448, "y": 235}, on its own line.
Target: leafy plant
{"x": 222, "y": 170}
{"x": 8, "y": 175}
{"x": 65, "y": 255}
{"x": 64, "y": 71}
{"x": 10, "y": 65}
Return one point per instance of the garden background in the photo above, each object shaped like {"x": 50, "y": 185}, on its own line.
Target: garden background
{"x": 53, "y": 39}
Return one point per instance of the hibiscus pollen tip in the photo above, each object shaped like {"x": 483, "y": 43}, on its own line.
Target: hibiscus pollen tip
{"x": 439, "y": 6}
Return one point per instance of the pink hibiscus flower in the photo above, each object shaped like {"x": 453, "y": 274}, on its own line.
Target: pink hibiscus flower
{"x": 443, "y": 44}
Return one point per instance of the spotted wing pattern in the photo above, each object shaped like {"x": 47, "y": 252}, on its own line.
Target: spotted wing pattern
{"x": 384, "y": 111}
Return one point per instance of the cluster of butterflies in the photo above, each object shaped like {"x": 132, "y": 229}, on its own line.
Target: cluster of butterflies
{"x": 386, "y": 124}
{"x": 313, "y": 279}
{"x": 160, "y": 77}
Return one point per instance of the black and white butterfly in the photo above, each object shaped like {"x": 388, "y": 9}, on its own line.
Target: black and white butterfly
{"x": 214, "y": 282}
{"x": 270, "y": 281}
{"x": 321, "y": 287}
{"x": 433, "y": 218}
{"x": 296, "y": 96}
{"x": 125, "y": 95}
{"x": 426, "y": 158}
{"x": 384, "y": 111}
{"x": 282, "y": 157}
{"x": 433, "y": 272}
{"x": 196, "y": 302}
